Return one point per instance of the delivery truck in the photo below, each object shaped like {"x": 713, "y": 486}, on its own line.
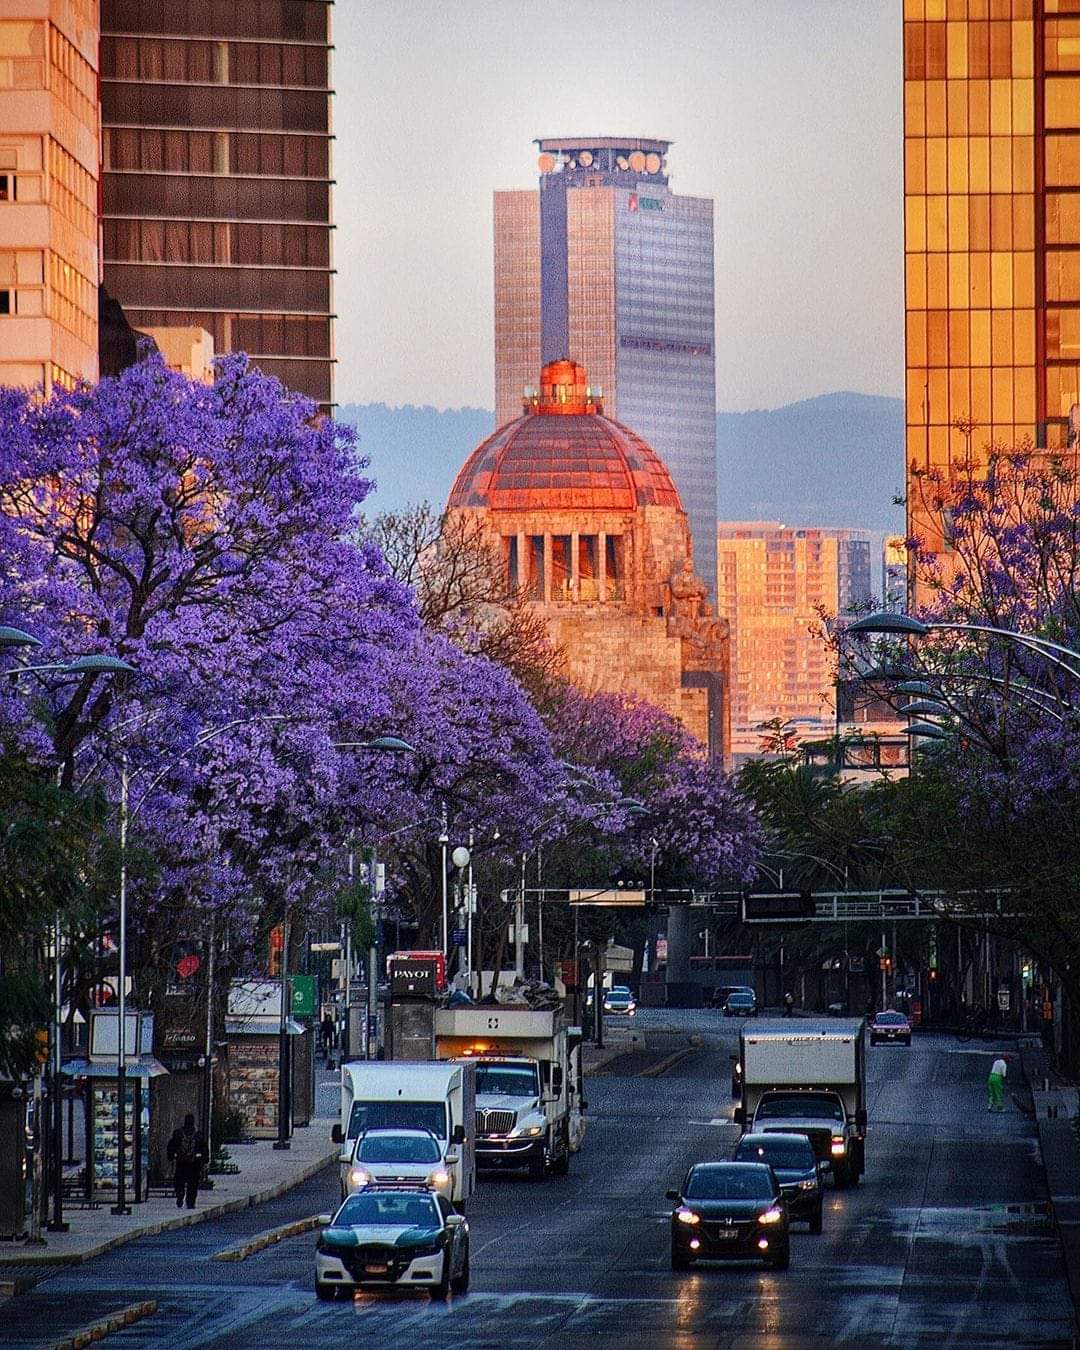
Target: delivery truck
{"x": 413, "y": 1095}
{"x": 529, "y": 1089}
{"x": 808, "y": 1078}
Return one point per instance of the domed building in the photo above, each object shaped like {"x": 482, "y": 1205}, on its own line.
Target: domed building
{"x": 589, "y": 524}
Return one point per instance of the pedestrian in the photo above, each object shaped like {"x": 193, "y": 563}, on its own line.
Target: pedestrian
{"x": 789, "y": 1004}
{"x": 328, "y": 1030}
{"x": 995, "y": 1085}
{"x": 187, "y": 1152}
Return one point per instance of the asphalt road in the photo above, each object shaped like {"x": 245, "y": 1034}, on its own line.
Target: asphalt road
{"x": 946, "y": 1242}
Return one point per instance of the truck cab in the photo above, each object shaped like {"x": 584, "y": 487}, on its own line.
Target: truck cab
{"x": 529, "y": 1101}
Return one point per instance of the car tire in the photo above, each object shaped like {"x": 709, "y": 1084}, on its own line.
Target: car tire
{"x": 460, "y": 1284}
{"x": 537, "y": 1168}
{"x": 680, "y": 1261}
{"x": 324, "y": 1291}
{"x": 842, "y": 1177}
{"x": 815, "y": 1221}
{"x": 782, "y": 1261}
{"x": 560, "y": 1164}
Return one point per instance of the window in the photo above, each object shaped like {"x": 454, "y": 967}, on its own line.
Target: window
{"x": 5, "y": 302}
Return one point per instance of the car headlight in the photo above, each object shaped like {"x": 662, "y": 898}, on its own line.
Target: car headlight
{"x": 685, "y": 1215}
{"x": 808, "y": 1185}
{"x": 771, "y": 1216}
{"x": 440, "y": 1177}
{"x": 527, "y": 1132}
{"x": 358, "y": 1177}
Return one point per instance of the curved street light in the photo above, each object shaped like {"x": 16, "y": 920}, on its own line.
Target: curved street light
{"x": 886, "y": 624}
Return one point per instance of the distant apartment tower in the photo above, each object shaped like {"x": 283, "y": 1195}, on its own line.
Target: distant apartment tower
{"x": 772, "y": 582}
{"x": 992, "y": 235}
{"x": 609, "y": 267}
{"x": 48, "y": 192}
{"x": 216, "y": 134}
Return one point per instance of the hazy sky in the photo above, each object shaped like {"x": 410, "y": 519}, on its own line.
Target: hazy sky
{"x": 786, "y": 112}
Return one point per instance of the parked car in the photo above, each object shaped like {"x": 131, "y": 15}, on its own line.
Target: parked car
{"x": 740, "y": 1003}
{"x": 791, "y": 1157}
{"x": 394, "y": 1236}
{"x": 729, "y": 1211}
{"x": 399, "y": 1155}
{"x": 889, "y": 1025}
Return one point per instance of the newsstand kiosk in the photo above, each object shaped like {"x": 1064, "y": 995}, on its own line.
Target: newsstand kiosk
{"x": 102, "y": 1103}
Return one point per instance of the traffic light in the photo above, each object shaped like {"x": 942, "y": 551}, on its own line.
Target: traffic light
{"x": 932, "y": 975}
{"x": 41, "y": 1045}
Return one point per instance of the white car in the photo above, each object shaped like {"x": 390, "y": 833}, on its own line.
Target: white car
{"x": 398, "y": 1155}
{"x": 393, "y": 1236}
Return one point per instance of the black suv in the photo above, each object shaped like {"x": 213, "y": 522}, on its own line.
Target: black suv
{"x": 791, "y": 1157}
{"x": 729, "y": 1211}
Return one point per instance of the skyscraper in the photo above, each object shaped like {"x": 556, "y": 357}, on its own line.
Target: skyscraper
{"x": 992, "y": 201}
{"x": 773, "y": 580}
{"x": 609, "y": 267}
{"x": 48, "y": 192}
{"x": 216, "y": 135}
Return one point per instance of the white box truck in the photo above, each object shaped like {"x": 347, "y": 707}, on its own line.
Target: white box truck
{"x": 529, "y": 1090}
{"x": 412, "y": 1095}
{"x": 808, "y": 1078}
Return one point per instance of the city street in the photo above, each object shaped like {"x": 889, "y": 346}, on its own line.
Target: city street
{"x": 947, "y": 1240}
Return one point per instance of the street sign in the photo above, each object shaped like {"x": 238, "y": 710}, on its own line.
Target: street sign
{"x": 303, "y": 995}
{"x": 600, "y": 896}
{"x": 883, "y": 951}
{"x": 457, "y": 936}
{"x": 1003, "y": 998}
{"x": 326, "y": 946}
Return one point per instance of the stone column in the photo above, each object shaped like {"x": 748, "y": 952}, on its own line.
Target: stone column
{"x": 547, "y": 568}
{"x": 575, "y": 567}
{"x": 678, "y": 951}
{"x": 601, "y": 566}
{"x": 524, "y": 561}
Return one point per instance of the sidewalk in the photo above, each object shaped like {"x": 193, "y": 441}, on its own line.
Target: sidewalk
{"x": 265, "y": 1173}
{"x": 1055, "y": 1103}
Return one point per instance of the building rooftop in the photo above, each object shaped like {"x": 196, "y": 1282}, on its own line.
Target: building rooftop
{"x": 564, "y": 454}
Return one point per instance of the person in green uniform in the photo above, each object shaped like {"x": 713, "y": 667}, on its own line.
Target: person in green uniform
{"x": 995, "y": 1085}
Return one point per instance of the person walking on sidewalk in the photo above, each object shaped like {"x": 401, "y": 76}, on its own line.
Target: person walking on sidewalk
{"x": 789, "y": 1004}
{"x": 188, "y": 1153}
{"x": 995, "y": 1085}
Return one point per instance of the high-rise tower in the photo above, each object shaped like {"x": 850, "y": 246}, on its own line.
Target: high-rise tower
{"x": 216, "y": 135}
{"x": 992, "y": 198}
{"x": 607, "y": 266}
{"x": 48, "y": 192}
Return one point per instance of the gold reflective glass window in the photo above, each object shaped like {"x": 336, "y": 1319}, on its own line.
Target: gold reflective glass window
{"x": 1001, "y": 280}
{"x": 1063, "y": 218}
{"x": 959, "y": 281}
{"x": 1001, "y": 335}
{"x": 980, "y": 337}
{"x": 937, "y": 338}
{"x": 1023, "y": 49}
{"x": 1062, "y": 161}
{"x": 937, "y": 281}
{"x": 980, "y": 280}
{"x": 916, "y": 337}
{"x": 915, "y": 223}
{"x": 1002, "y": 394}
{"x": 915, "y": 166}
{"x": 1062, "y": 275}
{"x": 1024, "y": 394}
{"x": 979, "y": 107}
{"x": 936, "y": 224}
{"x": 1024, "y": 337}
{"x": 1062, "y": 103}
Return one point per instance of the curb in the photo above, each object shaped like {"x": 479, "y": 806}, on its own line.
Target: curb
{"x": 22, "y": 1257}
{"x": 105, "y": 1326}
{"x": 260, "y": 1241}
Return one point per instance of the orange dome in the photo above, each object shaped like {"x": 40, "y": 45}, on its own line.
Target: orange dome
{"x": 564, "y": 454}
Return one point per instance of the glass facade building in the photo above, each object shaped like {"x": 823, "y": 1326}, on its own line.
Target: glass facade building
{"x": 773, "y": 581}
{"x": 992, "y": 229}
{"x": 48, "y": 192}
{"x": 606, "y": 265}
{"x": 216, "y": 141}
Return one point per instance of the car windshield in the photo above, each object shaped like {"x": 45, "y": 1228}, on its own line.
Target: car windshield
{"x": 618, "y": 996}
{"x": 809, "y": 1108}
{"x": 728, "y": 1183}
{"x": 506, "y": 1080}
{"x": 791, "y": 1154}
{"x": 405, "y": 1148}
{"x": 740, "y": 998}
{"x": 390, "y": 1208}
{"x": 398, "y": 1115}
{"x": 890, "y": 1020}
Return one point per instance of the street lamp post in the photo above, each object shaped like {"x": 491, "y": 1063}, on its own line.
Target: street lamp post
{"x": 121, "y": 1206}
{"x": 283, "y": 1140}
{"x": 444, "y": 840}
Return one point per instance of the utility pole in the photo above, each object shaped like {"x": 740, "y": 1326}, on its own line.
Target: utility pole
{"x": 444, "y": 839}
{"x": 56, "y": 1223}
{"x": 121, "y": 1206}
{"x": 470, "y": 906}
{"x": 284, "y": 1096}
{"x": 208, "y": 1045}
{"x": 373, "y": 961}
{"x": 519, "y": 925}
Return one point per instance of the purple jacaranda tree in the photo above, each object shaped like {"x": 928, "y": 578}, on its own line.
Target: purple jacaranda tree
{"x": 991, "y": 815}
{"x": 205, "y": 534}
